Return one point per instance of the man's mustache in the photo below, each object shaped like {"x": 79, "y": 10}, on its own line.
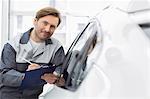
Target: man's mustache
{"x": 46, "y": 32}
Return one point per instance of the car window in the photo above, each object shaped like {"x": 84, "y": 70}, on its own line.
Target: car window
{"x": 75, "y": 61}
{"x": 146, "y": 28}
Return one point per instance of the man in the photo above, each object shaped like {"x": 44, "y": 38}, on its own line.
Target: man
{"x": 37, "y": 46}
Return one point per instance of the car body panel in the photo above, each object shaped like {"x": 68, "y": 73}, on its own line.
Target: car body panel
{"x": 118, "y": 66}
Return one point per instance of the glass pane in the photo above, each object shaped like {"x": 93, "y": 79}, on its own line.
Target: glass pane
{"x": 28, "y": 5}
{"x": 76, "y": 59}
{"x": 146, "y": 28}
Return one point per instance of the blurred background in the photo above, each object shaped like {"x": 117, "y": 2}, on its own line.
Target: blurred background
{"x": 16, "y": 17}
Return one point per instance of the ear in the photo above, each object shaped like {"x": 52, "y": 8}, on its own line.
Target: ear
{"x": 34, "y": 21}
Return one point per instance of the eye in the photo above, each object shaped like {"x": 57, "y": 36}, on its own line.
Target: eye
{"x": 52, "y": 27}
{"x": 45, "y": 23}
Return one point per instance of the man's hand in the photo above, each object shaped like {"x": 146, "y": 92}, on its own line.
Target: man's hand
{"x": 49, "y": 78}
{"x": 53, "y": 79}
{"x": 33, "y": 67}
{"x": 60, "y": 82}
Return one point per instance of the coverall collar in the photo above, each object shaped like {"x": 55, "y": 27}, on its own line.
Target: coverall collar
{"x": 26, "y": 36}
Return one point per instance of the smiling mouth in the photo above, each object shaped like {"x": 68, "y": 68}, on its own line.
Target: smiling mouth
{"x": 46, "y": 33}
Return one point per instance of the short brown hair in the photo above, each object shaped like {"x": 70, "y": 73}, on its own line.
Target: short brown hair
{"x": 48, "y": 11}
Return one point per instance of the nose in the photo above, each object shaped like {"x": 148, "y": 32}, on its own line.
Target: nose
{"x": 47, "y": 28}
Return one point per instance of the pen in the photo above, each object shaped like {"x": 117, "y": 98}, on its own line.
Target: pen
{"x": 27, "y": 61}
{"x": 40, "y": 66}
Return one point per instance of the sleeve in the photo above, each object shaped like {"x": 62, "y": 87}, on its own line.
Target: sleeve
{"x": 9, "y": 76}
{"x": 58, "y": 57}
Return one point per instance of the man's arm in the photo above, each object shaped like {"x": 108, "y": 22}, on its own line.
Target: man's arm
{"x": 58, "y": 57}
{"x": 58, "y": 61}
{"x": 9, "y": 76}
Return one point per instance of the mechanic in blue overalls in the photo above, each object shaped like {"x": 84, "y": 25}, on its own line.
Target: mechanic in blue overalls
{"x": 37, "y": 46}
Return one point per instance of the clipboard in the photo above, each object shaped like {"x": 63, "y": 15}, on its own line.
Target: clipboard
{"x": 33, "y": 77}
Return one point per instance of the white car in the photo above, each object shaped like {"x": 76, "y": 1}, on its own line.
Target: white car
{"x": 110, "y": 58}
